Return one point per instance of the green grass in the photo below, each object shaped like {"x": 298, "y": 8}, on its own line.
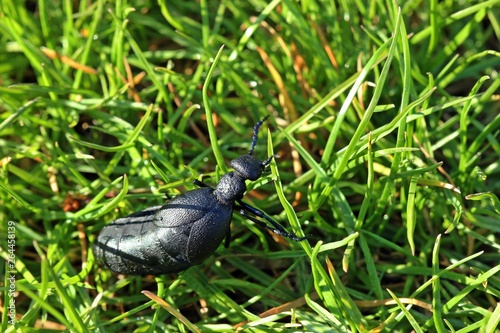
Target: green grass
{"x": 386, "y": 121}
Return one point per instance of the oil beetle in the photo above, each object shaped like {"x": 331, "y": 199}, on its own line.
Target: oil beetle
{"x": 186, "y": 230}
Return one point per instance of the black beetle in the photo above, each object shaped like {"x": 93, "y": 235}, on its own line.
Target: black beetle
{"x": 186, "y": 230}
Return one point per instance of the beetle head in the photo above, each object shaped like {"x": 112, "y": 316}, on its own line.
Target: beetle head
{"x": 248, "y": 167}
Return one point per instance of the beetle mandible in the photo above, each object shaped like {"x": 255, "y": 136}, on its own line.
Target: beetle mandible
{"x": 188, "y": 229}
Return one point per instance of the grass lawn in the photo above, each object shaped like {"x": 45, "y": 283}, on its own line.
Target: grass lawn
{"x": 385, "y": 120}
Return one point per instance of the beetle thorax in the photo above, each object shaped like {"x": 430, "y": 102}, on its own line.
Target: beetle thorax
{"x": 230, "y": 188}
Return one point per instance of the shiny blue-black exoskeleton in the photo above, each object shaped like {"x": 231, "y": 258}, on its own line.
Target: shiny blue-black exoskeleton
{"x": 186, "y": 230}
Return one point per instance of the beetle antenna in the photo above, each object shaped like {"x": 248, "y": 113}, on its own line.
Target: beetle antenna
{"x": 255, "y": 132}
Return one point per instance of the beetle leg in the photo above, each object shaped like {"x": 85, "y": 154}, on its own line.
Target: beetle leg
{"x": 199, "y": 183}
{"x": 257, "y": 212}
{"x": 280, "y": 232}
{"x": 246, "y": 210}
{"x": 227, "y": 241}
{"x": 247, "y": 215}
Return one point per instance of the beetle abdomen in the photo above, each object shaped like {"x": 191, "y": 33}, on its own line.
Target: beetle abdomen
{"x": 165, "y": 239}
{"x": 131, "y": 245}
